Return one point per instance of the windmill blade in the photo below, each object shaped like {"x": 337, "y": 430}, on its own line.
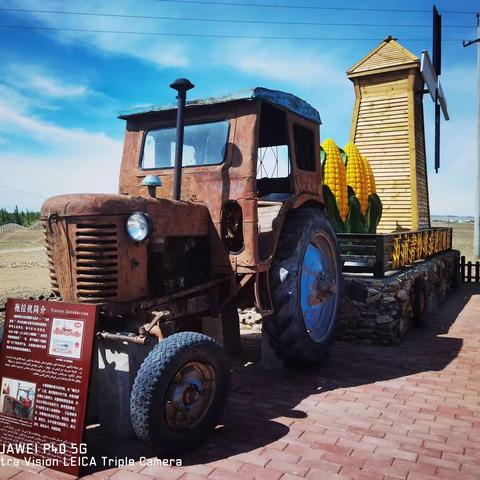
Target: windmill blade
{"x": 443, "y": 102}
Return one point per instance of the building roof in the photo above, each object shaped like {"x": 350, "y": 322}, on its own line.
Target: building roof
{"x": 387, "y": 56}
{"x": 283, "y": 100}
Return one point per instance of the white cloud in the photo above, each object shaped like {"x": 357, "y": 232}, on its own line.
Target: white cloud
{"x": 285, "y": 64}
{"x": 12, "y": 121}
{"x": 160, "y": 51}
{"x": 33, "y": 77}
{"x": 16, "y": 100}
{"x": 65, "y": 171}
{"x": 72, "y": 160}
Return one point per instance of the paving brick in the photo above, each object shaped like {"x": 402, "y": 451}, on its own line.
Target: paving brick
{"x": 198, "y": 469}
{"x": 340, "y": 450}
{"x": 420, "y": 476}
{"x": 252, "y": 458}
{"x": 286, "y": 467}
{"x": 471, "y": 469}
{"x": 321, "y": 464}
{"x": 165, "y": 473}
{"x": 421, "y": 450}
{"x": 260, "y": 472}
{"x": 105, "y": 473}
{"x": 367, "y": 431}
{"x": 193, "y": 476}
{"x": 222, "y": 474}
{"x": 404, "y": 439}
{"x": 26, "y": 475}
{"x": 227, "y": 464}
{"x": 284, "y": 456}
{"x": 439, "y": 462}
{"x": 377, "y": 464}
{"x": 49, "y": 472}
{"x": 355, "y": 473}
{"x": 397, "y": 453}
{"x": 454, "y": 474}
{"x": 350, "y": 444}
{"x": 344, "y": 459}
{"x": 407, "y": 466}
{"x": 123, "y": 474}
{"x": 8, "y": 472}
{"x": 289, "y": 476}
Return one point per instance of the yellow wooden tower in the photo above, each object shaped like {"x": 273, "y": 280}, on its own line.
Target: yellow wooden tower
{"x": 388, "y": 129}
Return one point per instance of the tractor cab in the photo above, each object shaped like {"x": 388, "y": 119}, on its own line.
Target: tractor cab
{"x": 249, "y": 157}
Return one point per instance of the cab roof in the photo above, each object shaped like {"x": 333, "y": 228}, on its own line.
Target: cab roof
{"x": 283, "y": 100}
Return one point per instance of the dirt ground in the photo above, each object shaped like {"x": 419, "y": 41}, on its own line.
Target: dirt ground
{"x": 23, "y": 265}
{"x": 462, "y": 238}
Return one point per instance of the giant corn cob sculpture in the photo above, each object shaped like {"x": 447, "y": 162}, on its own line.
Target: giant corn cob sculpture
{"x": 357, "y": 175}
{"x": 371, "y": 187}
{"x": 349, "y": 192}
{"x": 334, "y": 175}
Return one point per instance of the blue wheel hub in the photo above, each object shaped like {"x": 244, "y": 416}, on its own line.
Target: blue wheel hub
{"x": 318, "y": 290}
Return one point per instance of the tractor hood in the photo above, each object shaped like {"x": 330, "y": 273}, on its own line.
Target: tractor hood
{"x": 169, "y": 217}
{"x": 94, "y": 204}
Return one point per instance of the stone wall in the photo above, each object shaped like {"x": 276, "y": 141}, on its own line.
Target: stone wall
{"x": 380, "y": 310}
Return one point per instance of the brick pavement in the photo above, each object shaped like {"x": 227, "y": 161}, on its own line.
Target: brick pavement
{"x": 410, "y": 411}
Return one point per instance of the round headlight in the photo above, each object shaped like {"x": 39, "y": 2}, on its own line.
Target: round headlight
{"x": 138, "y": 226}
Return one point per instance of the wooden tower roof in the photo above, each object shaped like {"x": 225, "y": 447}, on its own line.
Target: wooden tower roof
{"x": 388, "y": 56}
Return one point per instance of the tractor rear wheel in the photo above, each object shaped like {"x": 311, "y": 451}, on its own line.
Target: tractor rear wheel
{"x": 306, "y": 286}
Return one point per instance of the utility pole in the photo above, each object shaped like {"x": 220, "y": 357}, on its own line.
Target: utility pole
{"x": 476, "y": 228}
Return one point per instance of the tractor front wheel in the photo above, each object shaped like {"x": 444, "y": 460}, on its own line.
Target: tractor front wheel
{"x": 180, "y": 391}
{"x": 306, "y": 285}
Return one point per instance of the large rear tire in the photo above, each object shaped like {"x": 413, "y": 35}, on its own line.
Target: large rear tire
{"x": 306, "y": 286}
{"x": 180, "y": 392}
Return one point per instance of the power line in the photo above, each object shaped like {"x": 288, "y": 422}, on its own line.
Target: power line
{"x": 224, "y": 20}
{"x": 307, "y": 7}
{"x": 22, "y": 191}
{"x": 206, "y": 35}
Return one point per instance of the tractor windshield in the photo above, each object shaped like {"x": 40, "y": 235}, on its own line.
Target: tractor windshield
{"x": 203, "y": 144}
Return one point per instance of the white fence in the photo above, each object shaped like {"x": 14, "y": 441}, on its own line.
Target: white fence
{"x": 10, "y": 227}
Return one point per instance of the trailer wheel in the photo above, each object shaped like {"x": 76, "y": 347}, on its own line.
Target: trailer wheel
{"x": 306, "y": 285}
{"x": 180, "y": 391}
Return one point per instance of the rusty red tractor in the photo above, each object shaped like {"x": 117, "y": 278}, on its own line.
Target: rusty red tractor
{"x": 220, "y": 206}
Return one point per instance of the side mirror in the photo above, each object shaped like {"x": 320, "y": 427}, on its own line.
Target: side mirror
{"x": 152, "y": 182}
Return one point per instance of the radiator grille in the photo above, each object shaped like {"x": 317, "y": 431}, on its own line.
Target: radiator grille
{"x": 96, "y": 262}
{"x": 51, "y": 268}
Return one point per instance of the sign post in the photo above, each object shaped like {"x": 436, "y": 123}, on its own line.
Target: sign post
{"x": 44, "y": 373}
{"x": 476, "y": 232}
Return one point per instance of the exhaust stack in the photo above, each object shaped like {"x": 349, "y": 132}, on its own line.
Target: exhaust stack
{"x": 181, "y": 85}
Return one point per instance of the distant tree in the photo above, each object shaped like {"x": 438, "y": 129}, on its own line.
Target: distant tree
{"x": 22, "y": 217}
{"x": 16, "y": 216}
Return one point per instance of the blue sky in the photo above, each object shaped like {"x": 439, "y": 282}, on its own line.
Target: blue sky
{"x": 60, "y": 91}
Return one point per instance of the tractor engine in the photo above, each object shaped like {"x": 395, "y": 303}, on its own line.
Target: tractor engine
{"x": 120, "y": 248}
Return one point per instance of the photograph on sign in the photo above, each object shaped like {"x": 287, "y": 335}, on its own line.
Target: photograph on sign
{"x": 66, "y": 338}
{"x": 17, "y": 398}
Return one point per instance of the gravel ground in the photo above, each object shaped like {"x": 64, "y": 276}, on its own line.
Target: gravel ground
{"x": 23, "y": 265}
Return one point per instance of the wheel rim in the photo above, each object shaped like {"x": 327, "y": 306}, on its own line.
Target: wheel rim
{"x": 190, "y": 395}
{"x": 318, "y": 286}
